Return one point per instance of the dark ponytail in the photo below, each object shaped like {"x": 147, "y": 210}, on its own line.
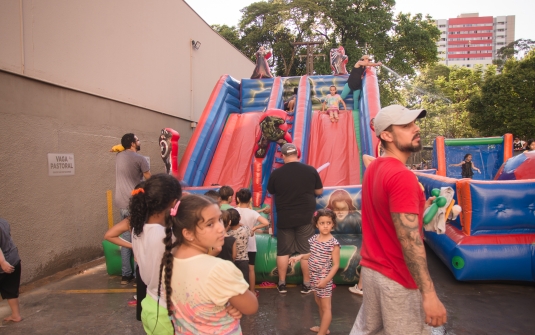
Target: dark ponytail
{"x": 151, "y": 197}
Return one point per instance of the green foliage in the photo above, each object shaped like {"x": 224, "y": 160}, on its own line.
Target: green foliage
{"x": 506, "y": 103}
{"x": 404, "y": 43}
{"x": 445, "y": 93}
{"x": 513, "y": 49}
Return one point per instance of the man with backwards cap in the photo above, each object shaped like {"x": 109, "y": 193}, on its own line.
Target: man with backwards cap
{"x": 294, "y": 186}
{"x": 399, "y": 295}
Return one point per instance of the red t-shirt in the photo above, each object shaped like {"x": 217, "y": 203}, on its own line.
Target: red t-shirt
{"x": 388, "y": 187}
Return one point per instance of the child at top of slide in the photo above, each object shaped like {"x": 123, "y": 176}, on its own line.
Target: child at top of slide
{"x": 199, "y": 287}
{"x": 332, "y": 101}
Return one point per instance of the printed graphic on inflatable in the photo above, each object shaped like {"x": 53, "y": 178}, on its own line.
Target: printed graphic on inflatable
{"x": 273, "y": 128}
{"x": 338, "y": 60}
{"x": 261, "y": 69}
{"x": 168, "y": 141}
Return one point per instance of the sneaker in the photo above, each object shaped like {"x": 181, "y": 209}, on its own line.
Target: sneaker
{"x": 282, "y": 288}
{"x": 306, "y": 289}
{"x": 126, "y": 279}
{"x": 356, "y": 290}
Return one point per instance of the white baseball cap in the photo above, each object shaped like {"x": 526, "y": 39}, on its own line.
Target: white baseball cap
{"x": 395, "y": 115}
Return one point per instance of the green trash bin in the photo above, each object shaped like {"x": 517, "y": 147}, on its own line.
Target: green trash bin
{"x": 112, "y": 255}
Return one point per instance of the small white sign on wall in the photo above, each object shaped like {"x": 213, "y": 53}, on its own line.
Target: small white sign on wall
{"x": 60, "y": 165}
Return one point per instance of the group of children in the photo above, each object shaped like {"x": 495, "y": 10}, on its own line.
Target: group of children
{"x": 181, "y": 287}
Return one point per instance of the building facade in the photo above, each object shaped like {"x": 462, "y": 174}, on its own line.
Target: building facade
{"x": 470, "y": 39}
{"x": 74, "y": 77}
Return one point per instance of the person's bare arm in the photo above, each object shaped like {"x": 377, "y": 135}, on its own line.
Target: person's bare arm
{"x": 234, "y": 251}
{"x": 461, "y": 163}
{"x": 246, "y": 303}
{"x": 146, "y": 175}
{"x": 6, "y": 267}
{"x": 323, "y": 106}
{"x": 478, "y": 170}
{"x": 334, "y": 269}
{"x": 319, "y": 191}
{"x": 263, "y": 223}
{"x": 114, "y": 232}
{"x": 408, "y": 232}
{"x": 343, "y": 103}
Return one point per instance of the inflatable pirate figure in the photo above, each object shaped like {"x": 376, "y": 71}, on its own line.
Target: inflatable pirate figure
{"x": 261, "y": 69}
{"x": 338, "y": 60}
{"x": 273, "y": 128}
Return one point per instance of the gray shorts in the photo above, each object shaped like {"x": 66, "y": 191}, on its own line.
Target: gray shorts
{"x": 388, "y": 308}
{"x": 292, "y": 240}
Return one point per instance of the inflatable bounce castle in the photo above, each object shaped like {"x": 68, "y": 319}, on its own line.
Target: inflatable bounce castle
{"x": 237, "y": 143}
{"x": 494, "y": 236}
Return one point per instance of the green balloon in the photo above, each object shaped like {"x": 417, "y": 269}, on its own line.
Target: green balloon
{"x": 441, "y": 201}
{"x": 457, "y": 262}
{"x": 435, "y": 192}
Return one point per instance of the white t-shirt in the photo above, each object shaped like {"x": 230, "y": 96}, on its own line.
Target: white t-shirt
{"x": 249, "y": 218}
{"x": 148, "y": 249}
{"x": 202, "y": 285}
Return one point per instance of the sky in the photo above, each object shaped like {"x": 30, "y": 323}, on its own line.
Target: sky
{"x": 228, "y": 12}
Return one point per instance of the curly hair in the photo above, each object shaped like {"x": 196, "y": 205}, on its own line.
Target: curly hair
{"x": 158, "y": 194}
{"x": 188, "y": 216}
{"x": 323, "y": 212}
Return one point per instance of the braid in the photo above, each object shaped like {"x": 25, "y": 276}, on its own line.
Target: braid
{"x": 167, "y": 263}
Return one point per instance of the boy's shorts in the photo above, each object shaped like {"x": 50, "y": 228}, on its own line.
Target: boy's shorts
{"x": 252, "y": 257}
{"x": 10, "y": 283}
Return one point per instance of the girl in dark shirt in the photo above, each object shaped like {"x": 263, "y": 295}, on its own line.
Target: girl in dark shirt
{"x": 228, "y": 250}
{"x": 466, "y": 167}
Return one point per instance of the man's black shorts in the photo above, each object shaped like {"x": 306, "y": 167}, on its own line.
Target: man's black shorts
{"x": 10, "y": 283}
{"x": 292, "y": 240}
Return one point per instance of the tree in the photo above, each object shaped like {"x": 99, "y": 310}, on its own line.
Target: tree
{"x": 231, "y": 34}
{"x": 404, "y": 43}
{"x": 506, "y": 103}
{"x": 514, "y": 49}
{"x": 445, "y": 93}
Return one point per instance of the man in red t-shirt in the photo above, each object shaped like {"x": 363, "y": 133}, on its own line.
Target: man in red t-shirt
{"x": 399, "y": 296}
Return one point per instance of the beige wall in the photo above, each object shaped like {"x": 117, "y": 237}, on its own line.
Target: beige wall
{"x": 58, "y": 222}
{"x": 74, "y": 77}
{"x": 134, "y": 51}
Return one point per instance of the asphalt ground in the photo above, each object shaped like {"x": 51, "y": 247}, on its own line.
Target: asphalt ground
{"x": 91, "y": 302}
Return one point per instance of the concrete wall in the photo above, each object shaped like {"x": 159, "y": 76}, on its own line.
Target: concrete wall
{"x": 135, "y": 51}
{"x": 59, "y": 222}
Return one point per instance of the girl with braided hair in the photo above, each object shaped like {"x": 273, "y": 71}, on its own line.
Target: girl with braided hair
{"x": 149, "y": 205}
{"x": 199, "y": 288}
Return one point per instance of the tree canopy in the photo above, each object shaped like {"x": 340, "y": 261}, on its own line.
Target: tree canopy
{"x": 404, "y": 42}
{"x": 506, "y": 103}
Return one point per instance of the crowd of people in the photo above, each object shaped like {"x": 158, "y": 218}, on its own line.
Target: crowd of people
{"x": 520, "y": 146}
{"x": 195, "y": 254}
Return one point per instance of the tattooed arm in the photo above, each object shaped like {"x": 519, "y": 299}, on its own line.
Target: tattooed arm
{"x": 412, "y": 245}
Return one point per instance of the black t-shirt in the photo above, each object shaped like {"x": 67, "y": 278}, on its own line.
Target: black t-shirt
{"x": 466, "y": 170}
{"x": 293, "y": 186}
{"x": 355, "y": 78}
{"x": 226, "y": 251}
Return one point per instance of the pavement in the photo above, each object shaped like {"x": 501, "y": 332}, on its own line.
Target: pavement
{"x": 91, "y": 302}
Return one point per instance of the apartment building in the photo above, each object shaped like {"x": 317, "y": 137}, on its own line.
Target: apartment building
{"x": 470, "y": 39}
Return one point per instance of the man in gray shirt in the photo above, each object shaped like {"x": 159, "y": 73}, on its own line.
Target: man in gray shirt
{"x": 10, "y": 270}
{"x": 130, "y": 168}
